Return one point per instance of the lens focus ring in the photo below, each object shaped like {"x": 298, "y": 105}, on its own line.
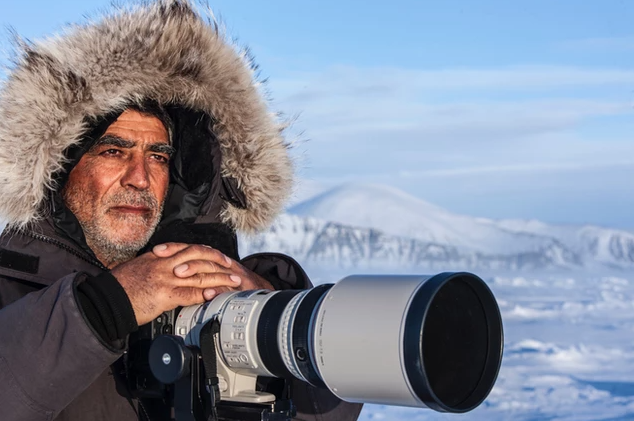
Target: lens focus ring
{"x": 285, "y": 334}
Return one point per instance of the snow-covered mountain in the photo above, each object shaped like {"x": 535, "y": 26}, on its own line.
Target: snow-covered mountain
{"x": 606, "y": 246}
{"x": 379, "y": 226}
{"x": 316, "y": 241}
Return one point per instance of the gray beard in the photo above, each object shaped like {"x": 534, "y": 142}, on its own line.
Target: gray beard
{"x": 112, "y": 253}
{"x": 109, "y": 250}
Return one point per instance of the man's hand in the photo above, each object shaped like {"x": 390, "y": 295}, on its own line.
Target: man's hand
{"x": 160, "y": 281}
{"x": 249, "y": 280}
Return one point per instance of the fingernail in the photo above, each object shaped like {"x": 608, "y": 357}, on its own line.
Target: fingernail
{"x": 181, "y": 269}
{"x": 160, "y": 247}
{"x": 209, "y": 294}
{"x": 236, "y": 279}
{"x": 228, "y": 260}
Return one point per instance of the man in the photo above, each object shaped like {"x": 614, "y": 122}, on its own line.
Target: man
{"x": 130, "y": 151}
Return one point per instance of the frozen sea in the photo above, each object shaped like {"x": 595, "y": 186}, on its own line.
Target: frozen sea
{"x": 569, "y": 349}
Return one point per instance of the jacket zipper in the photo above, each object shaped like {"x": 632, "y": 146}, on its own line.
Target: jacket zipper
{"x": 67, "y": 248}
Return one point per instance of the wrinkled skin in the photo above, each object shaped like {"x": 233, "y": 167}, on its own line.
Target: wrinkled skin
{"x": 118, "y": 187}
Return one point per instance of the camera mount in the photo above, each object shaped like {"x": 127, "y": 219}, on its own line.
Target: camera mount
{"x": 193, "y": 372}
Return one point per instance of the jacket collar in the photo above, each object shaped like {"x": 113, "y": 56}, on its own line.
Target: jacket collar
{"x": 42, "y": 256}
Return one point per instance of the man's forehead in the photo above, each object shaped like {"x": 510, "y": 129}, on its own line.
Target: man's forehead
{"x": 135, "y": 126}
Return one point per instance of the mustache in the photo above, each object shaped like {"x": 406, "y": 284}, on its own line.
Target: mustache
{"x": 128, "y": 198}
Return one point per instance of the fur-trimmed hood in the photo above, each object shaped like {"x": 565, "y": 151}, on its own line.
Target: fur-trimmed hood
{"x": 163, "y": 51}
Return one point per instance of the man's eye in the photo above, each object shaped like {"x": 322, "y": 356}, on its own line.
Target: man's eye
{"x": 161, "y": 158}
{"x": 111, "y": 152}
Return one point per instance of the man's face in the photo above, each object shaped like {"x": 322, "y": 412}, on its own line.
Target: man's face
{"x": 117, "y": 189}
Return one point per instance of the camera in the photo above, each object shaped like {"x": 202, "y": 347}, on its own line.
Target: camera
{"x": 420, "y": 341}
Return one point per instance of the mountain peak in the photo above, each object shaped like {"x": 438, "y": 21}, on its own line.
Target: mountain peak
{"x": 369, "y": 192}
{"x": 395, "y": 212}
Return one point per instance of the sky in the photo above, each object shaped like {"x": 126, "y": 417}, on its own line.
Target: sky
{"x": 490, "y": 108}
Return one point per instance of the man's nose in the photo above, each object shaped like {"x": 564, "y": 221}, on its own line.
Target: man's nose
{"x": 136, "y": 174}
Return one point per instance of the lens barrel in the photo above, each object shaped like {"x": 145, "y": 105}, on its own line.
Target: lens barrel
{"x": 421, "y": 341}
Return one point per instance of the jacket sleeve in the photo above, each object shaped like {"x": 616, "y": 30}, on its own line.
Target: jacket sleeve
{"x": 48, "y": 353}
{"x": 313, "y": 403}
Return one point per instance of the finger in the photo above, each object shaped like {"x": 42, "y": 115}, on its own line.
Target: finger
{"x": 253, "y": 281}
{"x": 187, "y": 269}
{"x": 169, "y": 249}
{"x": 191, "y": 296}
{"x": 210, "y": 293}
{"x": 220, "y": 290}
{"x": 210, "y": 280}
{"x": 200, "y": 252}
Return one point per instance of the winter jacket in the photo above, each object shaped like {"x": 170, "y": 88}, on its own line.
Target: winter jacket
{"x": 54, "y": 366}
{"x": 231, "y": 172}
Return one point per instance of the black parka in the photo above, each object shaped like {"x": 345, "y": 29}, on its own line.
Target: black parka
{"x": 232, "y": 169}
{"x": 54, "y": 366}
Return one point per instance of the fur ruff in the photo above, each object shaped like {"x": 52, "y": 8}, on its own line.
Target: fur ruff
{"x": 163, "y": 50}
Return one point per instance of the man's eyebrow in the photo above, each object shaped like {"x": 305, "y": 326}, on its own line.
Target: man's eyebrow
{"x": 112, "y": 140}
{"x": 162, "y": 148}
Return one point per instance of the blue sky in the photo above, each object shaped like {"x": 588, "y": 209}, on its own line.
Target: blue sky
{"x": 500, "y": 109}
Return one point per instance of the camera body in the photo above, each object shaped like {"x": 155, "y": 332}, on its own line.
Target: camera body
{"x": 185, "y": 392}
{"x": 141, "y": 383}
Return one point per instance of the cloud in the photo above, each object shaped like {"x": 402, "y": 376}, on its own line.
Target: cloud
{"x": 600, "y": 44}
{"x": 531, "y": 167}
{"x": 550, "y": 142}
{"x": 359, "y": 120}
{"x": 406, "y": 134}
{"x": 342, "y": 81}
{"x": 340, "y": 103}
{"x": 475, "y": 119}
{"x": 538, "y": 172}
{"x": 552, "y": 155}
